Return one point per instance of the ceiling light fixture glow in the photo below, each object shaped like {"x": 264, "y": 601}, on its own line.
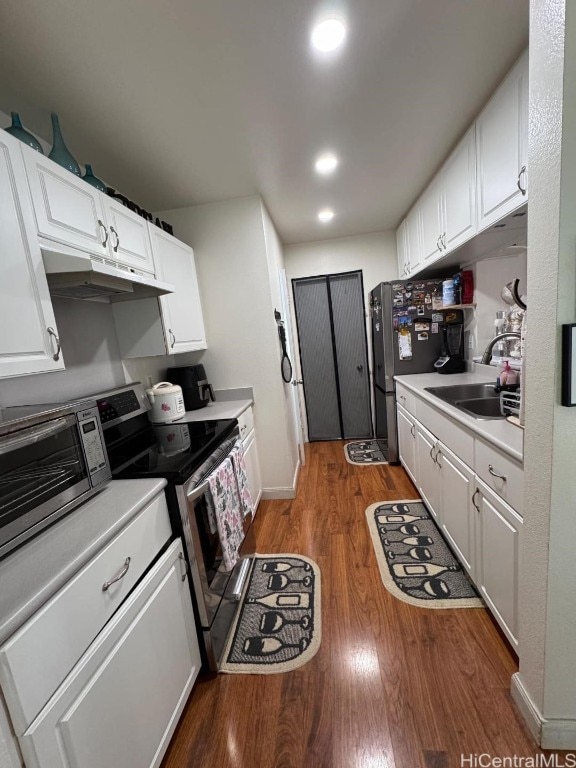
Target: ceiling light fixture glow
{"x": 328, "y": 35}
{"x": 325, "y": 215}
{"x": 326, "y": 164}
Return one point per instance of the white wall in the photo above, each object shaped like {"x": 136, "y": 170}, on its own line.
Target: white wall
{"x": 546, "y": 684}
{"x": 238, "y": 298}
{"x": 374, "y": 254}
{"x": 490, "y": 276}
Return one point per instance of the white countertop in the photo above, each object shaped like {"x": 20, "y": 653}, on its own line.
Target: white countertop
{"x": 221, "y": 409}
{"x": 501, "y": 433}
{"x": 30, "y": 575}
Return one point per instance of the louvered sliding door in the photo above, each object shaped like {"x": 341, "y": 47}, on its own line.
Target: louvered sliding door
{"x": 333, "y": 355}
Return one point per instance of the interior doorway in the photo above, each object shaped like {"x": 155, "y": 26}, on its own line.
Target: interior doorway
{"x": 330, "y": 317}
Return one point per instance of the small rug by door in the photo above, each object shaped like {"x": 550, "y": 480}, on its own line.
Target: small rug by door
{"x": 278, "y": 625}
{"x": 415, "y": 562}
{"x": 366, "y": 452}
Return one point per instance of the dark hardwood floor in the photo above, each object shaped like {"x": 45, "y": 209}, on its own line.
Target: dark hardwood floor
{"x": 392, "y": 685}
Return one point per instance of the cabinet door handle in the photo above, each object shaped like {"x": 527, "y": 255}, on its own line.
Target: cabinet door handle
{"x": 173, "y": 337}
{"x": 52, "y": 332}
{"x": 413, "y": 430}
{"x": 117, "y": 243}
{"x": 473, "y": 499}
{"x": 101, "y": 224}
{"x": 432, "y": 457}
{"x": 495, "y": 474}
{"x": 519, "y": 182}
{"x": 443, "y": 240}
{"x": 120, "y": 575}
{"x": 359, "y": 367}
{"x": 185, "y": 564}
{"x": 438, "y": 453}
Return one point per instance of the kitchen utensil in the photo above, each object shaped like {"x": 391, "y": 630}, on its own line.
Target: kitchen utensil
{"x": 166, "y": 401}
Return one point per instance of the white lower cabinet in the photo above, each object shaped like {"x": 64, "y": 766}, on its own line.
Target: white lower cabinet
{"x": 456, "y": 489}
{"x": 483, "y": 531}
{"x": 253, "y": 468}
{"x": 428, "y": 478}
{"x": 407, "y": 442}
{"x": 498, "y": 550}
{"x": 121, "y": 702}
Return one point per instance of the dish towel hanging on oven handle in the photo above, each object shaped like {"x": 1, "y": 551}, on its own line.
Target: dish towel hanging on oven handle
{"x": 237, "y": 456}
{"x": 228, "y": 511}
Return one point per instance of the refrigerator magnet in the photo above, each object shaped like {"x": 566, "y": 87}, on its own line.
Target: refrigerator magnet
{"x": 405, "y": 345}
{"x": 423, "y": 336}
{"x": 434, "y": 328}
{"x": 419, "y": 325}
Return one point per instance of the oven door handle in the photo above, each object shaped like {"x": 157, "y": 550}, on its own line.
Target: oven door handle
{"x": 198, "y": 491}
{"x": 33, "y": 434}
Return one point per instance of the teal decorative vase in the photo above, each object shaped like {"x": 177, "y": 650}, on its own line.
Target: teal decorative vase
{"x": 22, "y": 134}
{"x": 60, "y": 152}
{"x": 94, "y": 181}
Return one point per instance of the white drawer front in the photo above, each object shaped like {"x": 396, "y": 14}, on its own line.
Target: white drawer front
{"x": 35, "y": 660}
{"x": 246, "y": 422}
{"x": 455, "y": 437}
{"x": 490, "y": 463}
{"x": 405, "y": 398}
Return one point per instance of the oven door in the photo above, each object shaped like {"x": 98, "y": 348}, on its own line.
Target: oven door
{"x": 212, "y": 583}
{"x": 42, "y": 475}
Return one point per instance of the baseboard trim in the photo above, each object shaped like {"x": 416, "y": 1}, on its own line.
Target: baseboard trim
{"x": 526, "y": 706}
{"x": 278, "y": 493}
{"x": 549, "y": 734}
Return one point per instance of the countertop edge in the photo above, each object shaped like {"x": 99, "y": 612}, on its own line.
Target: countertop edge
{"x": 466, "y": 421}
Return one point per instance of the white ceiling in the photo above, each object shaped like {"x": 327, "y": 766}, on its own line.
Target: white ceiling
{"x": 182, "y": 102}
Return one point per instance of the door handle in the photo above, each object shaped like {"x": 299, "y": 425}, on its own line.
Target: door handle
{"x": 473, "y": 497}
{"x": 120, "y": 575}
{"x": 173, "y": 338}
{"x": 295, "y": 382}
{"x": 519, "y": 182}
{"x": 413, "y": 430}
{"x": 495, "y": 474}
{"x": 52, "y": 332}
{"x": 101, "y": 224}
{"x": 117, "y": 243}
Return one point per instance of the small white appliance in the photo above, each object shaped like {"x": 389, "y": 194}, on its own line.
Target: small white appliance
{"x": 166, "y": 402}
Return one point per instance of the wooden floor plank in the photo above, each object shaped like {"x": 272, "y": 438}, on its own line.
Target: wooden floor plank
{"x": 392, "y": 685}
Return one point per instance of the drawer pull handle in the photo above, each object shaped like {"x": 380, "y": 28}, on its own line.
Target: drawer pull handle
{"x": 121, "y": 573}
{"x": 495, "y": 474}
{"x": 185, "y": 564}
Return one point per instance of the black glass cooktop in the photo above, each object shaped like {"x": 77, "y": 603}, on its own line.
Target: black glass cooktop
{"x": 174, "y": 451}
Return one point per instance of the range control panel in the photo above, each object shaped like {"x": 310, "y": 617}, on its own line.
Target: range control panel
{"x": 116, "y": 405}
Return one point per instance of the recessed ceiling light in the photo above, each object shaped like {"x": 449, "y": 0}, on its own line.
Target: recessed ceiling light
{"x": 326, "y": 164}
{"x": 328, "y": 35}
{"x": 325, "y": 215}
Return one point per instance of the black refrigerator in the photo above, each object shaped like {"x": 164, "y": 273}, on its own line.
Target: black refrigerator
{"x": 407, "y": 323}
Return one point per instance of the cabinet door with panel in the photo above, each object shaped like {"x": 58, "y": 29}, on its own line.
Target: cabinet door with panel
{"x": 413, "y": 240}
{"x": 502, "y": 147}
{"x": 458, "y": 520}
{"x": 67, "y": 209}
{"x": 252, "y": 462}
{"x": 129, "y": 237}
{"x": 181, "y": 311}
{"x": 459, "y": 193}
{"x": 108, "y": 712}
{"x": 407, "y": 442}
{"x": 29, "y": 340}
{"x": 499, "y": 530}
{"x": 429, "y": 482}
{"x": 431, "y": 209}
{"x": 401, "y": 250}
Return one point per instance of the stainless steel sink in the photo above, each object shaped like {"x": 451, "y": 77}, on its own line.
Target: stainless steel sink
{"x": 478, "y": 400}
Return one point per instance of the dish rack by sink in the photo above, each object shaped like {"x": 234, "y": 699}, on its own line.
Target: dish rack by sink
{"x": 510, "y": 403}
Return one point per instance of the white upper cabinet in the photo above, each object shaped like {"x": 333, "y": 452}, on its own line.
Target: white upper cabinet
{"x": 459, "y": 193}
{"x": 181, "y": 311}
{"x": 431, "y": 204}
{"x": 128, "y": 236}
{"x": 67, "y": 209}
{"x": 401, "y": 250}
{"x": 502, "y": 148}
{"x": 414, "y": 240}
{"x": 171, "y": 323}
{"x": 70, "y": 211}
{"x": 28, "y": 334}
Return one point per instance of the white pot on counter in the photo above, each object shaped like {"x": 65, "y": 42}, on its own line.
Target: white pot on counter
{"x": 166, "y": 403}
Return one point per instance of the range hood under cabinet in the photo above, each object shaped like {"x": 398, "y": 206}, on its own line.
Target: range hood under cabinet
{"x": 75, "y": 274}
